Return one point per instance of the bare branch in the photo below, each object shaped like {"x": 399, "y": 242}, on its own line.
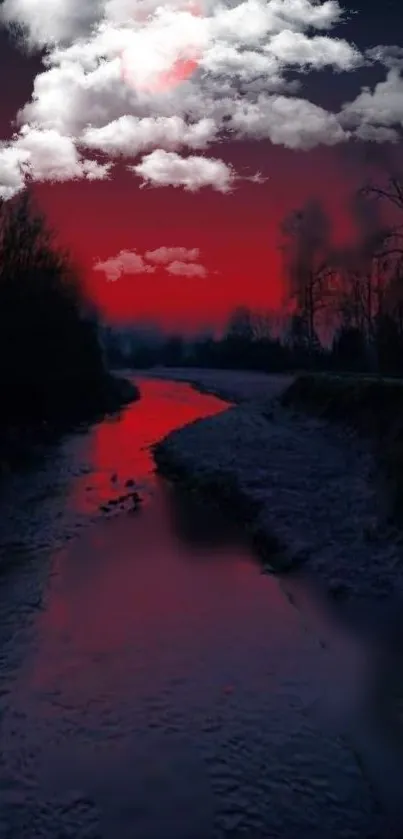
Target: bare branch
{"x": 392, "y": 252}
{"x": 397, "y": 200}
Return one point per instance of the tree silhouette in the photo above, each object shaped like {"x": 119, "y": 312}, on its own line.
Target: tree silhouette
{"x": 305, "y": 247}
{"x": 51, "y": 363}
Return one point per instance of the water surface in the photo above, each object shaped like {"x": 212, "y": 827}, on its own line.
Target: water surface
{"x": 154, "y": 683}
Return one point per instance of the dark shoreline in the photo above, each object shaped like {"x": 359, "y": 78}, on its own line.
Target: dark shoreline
{"x": 372, "y": 408}
{"x": 222, "y": 489}
{"x": 274, "y": 507}
{"x": 24, "y": 439}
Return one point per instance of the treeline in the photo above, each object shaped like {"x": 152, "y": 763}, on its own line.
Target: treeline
{"x": 52, "y": 367}
{"x": 356, "y": 291}
{"x": 343, "y": 307}
{"x": 246, "y": 345}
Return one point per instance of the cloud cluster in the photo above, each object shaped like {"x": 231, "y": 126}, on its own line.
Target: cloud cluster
{"x": 379, "y": 110}
{"x": 158, "y": 81}
{"x": 163, "y": 168}
{"x": 47, "y": 155}
{"x": 177, "y": 261}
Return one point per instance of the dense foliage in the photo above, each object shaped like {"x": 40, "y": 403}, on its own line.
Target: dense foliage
{"x": 51, "y": 361}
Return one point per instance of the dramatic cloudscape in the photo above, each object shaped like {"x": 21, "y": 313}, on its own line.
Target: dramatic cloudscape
{"x": 167, "y": 138}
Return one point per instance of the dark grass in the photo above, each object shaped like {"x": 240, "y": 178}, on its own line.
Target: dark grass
{"x": 372, "y": 407}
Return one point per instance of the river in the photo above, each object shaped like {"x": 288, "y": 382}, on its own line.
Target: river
{"x": 154, "y": 683}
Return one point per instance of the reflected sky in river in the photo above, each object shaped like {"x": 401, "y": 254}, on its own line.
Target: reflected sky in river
{"x": 169, "y": 688}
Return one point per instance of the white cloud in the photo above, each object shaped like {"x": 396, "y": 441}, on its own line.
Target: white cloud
{"x": 51, "y": 21}
{"x": 157, "y": 77}
{"x": 126, "y": 262}
{"x": 94, "y": 171}
{"x": 177, "y": 261}
{"x": 186, "y": 269}
{"x": 43, "y": 155}
{"x": 162, "y": 168}
{"x": 382, "y": 106}
{"x": 291, "y": 122}
{"x": 52, "y": 157}
{"x": 253, "y": 20}
{"x": 150, "y": 53}
{"x": 390, "y": 56}
{"x": 13, "y": 168}
{"x": 64, "y": 21}
{"x": 296, "y": 48}
{"x": 288, "y": 48}
{"x": 164, "y": 255}
{"x": 130, "y": 135}
{"x": 376, "y": 134}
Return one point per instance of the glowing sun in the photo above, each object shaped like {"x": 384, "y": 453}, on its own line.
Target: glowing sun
{"x": 159, "y": 57}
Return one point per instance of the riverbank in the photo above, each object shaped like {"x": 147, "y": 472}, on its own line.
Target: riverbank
{"x": 305, "y": 489}
{"x": 373, "y": 408}
{"x": 31, "y": 423}
{"x": 232, "y": 385}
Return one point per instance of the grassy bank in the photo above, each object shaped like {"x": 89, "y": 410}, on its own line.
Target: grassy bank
{"x": 373, "y": 407}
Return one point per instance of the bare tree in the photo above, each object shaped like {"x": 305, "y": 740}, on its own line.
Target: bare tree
{"x": 305, "y": 249}
{"x": 382, "y": 280}
{"x": 240, "y": 325}
{"x": 262, "y": 326}
{"x": 392, "y": 191}
{"x": 390, "y": 242}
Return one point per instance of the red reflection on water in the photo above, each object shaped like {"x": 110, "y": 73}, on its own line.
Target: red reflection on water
{"x": 127, "y": 607}
{"x": 119, "y": 448}
{"x": 114, "y": 588}
{"x": 127, "y": 611}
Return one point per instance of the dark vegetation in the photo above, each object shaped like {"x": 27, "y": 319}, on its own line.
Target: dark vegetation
{"x": 361, "y": 287}
{"x": 244, "y": 347}
{"x": 343, "y": 307}
{"x": 342, "y": 325}
{"x": 52, "y": 369}
{"x": 372, "y": 407}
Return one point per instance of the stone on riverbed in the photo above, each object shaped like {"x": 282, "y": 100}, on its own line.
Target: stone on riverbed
{"x": 129, "y": 502}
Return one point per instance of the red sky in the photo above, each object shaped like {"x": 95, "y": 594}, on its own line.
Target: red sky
{"x": 237, "y": 233}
